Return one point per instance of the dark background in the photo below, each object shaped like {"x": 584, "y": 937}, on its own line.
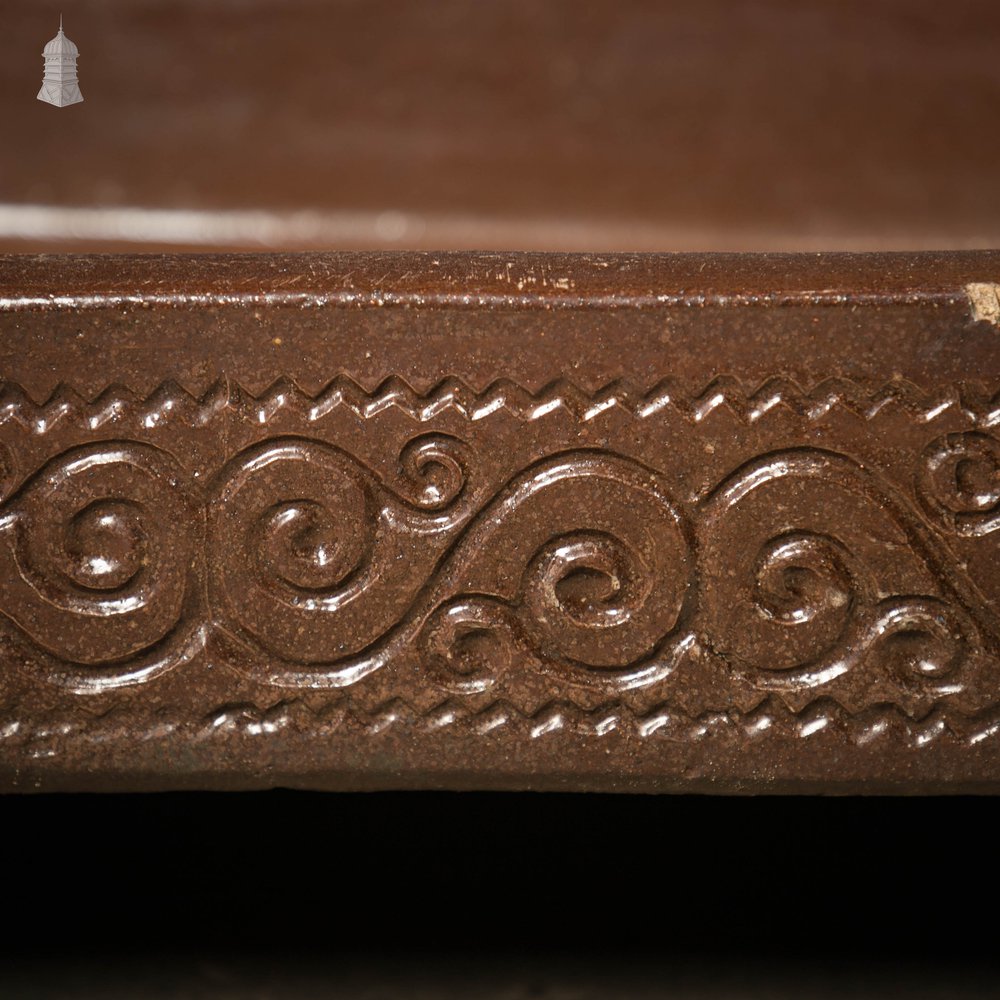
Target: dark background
{"x": 253, "y": 892}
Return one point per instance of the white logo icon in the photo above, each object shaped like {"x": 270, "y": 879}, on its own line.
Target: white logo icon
{"x": 59, "y": 85}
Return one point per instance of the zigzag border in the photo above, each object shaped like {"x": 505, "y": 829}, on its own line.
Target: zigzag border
{"x": 172, "y": 402}
{"x": 769, "y": 718}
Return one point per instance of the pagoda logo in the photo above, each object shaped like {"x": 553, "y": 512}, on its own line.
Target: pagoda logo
{"x": 59, "y": 85}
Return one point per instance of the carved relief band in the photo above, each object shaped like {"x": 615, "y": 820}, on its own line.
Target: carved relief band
{"x": 723, "y": 523}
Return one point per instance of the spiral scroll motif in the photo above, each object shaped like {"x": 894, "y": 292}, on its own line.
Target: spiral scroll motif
{"x": 467, "y": 643}
{"x": 301, "y": 531}
{"x": 105, "y": 542}
{"x": 959, "y": 483}
{"x": 435, "y": 470}
{"x": 604, "y": 603}
{"x": 812, "y": 605}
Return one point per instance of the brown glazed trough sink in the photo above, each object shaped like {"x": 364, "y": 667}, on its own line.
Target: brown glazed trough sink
{"x": 414, "y": 520}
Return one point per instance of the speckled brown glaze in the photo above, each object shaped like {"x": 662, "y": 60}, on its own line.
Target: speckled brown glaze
{"x": 709, "y": 523}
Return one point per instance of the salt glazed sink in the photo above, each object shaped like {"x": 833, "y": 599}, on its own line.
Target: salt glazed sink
{"x": 714, "y": 523}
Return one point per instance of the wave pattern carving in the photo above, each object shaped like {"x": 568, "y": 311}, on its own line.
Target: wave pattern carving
{"x": 300, "y": 566}
{"x": 309, "y": 591}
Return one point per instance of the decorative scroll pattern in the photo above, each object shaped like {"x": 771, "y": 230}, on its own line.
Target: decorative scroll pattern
{"x": 608, "y": 581}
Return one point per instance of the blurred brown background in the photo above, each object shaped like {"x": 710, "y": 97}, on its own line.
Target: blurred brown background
{"x": 535, "y": 124}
